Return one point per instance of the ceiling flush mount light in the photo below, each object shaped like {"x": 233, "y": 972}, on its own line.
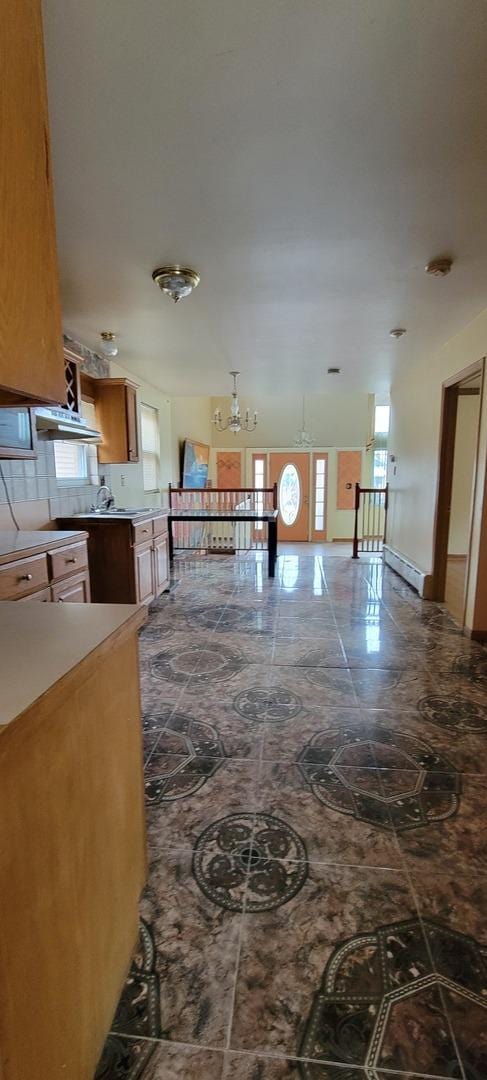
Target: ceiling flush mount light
{"x": 397, "y": 332}
{"x": 235, "y": 422}
{"x": 176, "y": 281}
{"x": 304, "y": 438}
{"x": 108, "y": 344}
{"x": 439, "y": 267}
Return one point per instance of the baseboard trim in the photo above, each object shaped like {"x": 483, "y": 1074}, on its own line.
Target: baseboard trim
{"x": 475, "y": 635}
{"x": 419, "y": 579}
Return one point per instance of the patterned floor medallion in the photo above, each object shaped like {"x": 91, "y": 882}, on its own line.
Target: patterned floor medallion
{"x": 273, "y": 704}
{"x": 187, "y": 753}
{"x": 390, "y": 780}
{"x": 137, "y": 1016}
{"x": 228, "y": 617}
{"x": 377, "y": 987}
{"x": 197, "y": 665}
{"x": 473, "y": 668}
{"x": 254, "y": 861}
{"x": 454, "y": 713}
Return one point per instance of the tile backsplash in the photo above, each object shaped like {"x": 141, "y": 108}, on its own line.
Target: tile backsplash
{"x": 38, "y": 496}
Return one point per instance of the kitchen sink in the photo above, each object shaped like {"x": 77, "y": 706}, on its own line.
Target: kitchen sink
{"x": 129, "y": 510}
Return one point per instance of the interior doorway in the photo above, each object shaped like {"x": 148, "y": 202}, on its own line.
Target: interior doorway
{"x": 456, "y": 488}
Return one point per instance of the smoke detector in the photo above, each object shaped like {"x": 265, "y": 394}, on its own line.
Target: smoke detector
{"x": 439, "y": 267}
{"x": 397, "y": 332}
{"x": 334, "y": 370}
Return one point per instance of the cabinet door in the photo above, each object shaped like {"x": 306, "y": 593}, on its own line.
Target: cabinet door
{"x": 75, "y": 590}
{"x": 116, "y": 411}
{"x": 160, "y": 549}
{"x": 131, "y": 415}
{"x": 144, "y": 573}
{"x": 42, "y": 597}
{"x": 31, "y": 355}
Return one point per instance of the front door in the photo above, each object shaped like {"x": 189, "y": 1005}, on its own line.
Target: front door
{"x": 291, "y": 474}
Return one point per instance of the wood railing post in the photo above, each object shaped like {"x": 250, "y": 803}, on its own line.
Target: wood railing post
{"x": 386, "y": 507}
{"x": 274, "y": 497}
{"x": 355, "y": 533}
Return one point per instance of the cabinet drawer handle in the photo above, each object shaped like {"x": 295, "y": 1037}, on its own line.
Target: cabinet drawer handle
{"x": 74, "y": 559}
{"x": 144, "y": 530}
{"x": 25, "y": 577}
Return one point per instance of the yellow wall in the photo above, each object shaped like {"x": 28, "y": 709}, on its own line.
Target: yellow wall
{"x": 190, "y": 419}
{"x": 463, "y": 474}
{"x": 126, "y": 480}
{"x": 333, "y": 420}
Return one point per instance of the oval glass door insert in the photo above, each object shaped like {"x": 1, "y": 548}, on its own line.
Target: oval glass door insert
{"x": 289, "y": 494}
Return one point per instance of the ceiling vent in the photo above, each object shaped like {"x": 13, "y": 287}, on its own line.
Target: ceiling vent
{"x": 334, "y": 370}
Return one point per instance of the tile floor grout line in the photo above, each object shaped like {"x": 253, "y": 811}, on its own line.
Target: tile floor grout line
{"x": 433, "y": 965}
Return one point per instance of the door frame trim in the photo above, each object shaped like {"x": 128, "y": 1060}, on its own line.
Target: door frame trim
{"x": 449, "y": 405}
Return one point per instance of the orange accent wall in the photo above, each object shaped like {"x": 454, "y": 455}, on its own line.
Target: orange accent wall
{"x": 228, "y": 469}
{"x": 349, "y": 471}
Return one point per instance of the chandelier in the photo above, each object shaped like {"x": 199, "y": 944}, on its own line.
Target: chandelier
{"x": 235, "y": 422}
{"x": 304, "y": 438}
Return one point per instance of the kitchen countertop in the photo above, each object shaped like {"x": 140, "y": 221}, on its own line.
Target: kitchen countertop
{"x": 41, "y": 643}
{"x": 16, "y": 543}
{"x": 119, "y": 515}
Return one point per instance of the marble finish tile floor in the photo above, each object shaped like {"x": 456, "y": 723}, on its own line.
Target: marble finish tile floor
{"x": 315, "y": 756}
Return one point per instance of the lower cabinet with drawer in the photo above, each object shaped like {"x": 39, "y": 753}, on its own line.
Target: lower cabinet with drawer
{"x": 128, "y": 556}
{"x": 73, "y": 590}
{"x": 22, "y": 576}
{"x": 57, "y": 573}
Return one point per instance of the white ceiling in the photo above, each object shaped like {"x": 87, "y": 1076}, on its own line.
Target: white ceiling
{"x": 306, "y": 156}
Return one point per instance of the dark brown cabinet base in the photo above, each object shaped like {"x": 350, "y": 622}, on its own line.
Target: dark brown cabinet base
{"x": 128, "y": 557}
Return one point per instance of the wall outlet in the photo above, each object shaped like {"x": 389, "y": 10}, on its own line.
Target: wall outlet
{"x": 122, "y": 480}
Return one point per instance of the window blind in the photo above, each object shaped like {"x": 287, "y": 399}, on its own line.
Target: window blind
{"x": 70, "y": 460}
{"x": 149, "y": 422}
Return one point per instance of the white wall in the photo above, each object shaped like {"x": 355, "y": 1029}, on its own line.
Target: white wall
{"x": 463, "y": 474}
{"x": 414, "y": 440}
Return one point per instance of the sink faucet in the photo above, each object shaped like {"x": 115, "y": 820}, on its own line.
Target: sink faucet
{"x": 107, "y": 500}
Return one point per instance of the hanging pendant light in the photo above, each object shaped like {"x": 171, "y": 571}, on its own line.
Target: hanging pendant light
{"x": 304, "y": 438}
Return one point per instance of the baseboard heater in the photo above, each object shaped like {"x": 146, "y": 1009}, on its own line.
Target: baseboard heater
{"x": 419, "y": 579}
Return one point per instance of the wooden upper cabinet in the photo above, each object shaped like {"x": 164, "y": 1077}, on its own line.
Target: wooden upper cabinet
{"x": 31, "y": 354}
{"x": 116, "y": 410}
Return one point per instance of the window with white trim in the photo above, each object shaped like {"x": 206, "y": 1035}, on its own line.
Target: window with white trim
{"x": 151, "y": 452}
{"x": 75, "y": 461}
{"x": 259, "y": 482}
{"x": 379, "y": 469}
{"x": 382, "y": 419}
{"x": 320, "y": 487}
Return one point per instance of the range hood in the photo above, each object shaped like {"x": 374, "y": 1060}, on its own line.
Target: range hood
{"x": 64, "y": 424}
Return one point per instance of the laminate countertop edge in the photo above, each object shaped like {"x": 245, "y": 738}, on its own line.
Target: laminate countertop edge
{"x": 41, "y": 644}
{"x": 18, "y": 545}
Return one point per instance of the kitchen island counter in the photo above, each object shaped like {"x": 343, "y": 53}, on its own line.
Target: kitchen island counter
{"x": 72, "y": 831}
